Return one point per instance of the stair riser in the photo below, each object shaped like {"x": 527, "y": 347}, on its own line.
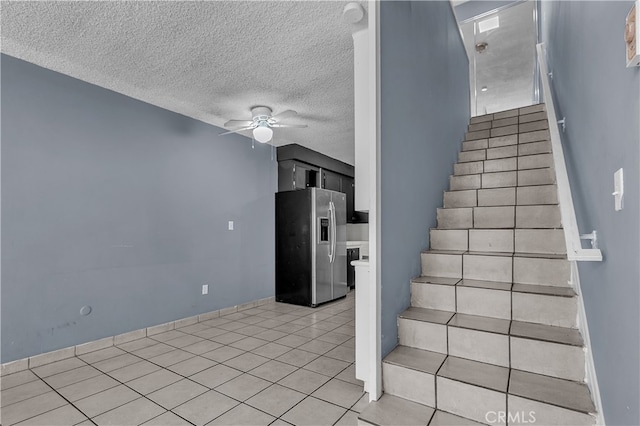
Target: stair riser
{"x": 466, "y": 156}
{"x": 494, "y": 217}
{"x": 533, "y": 126}
{"x": 473, "y": 168}
{"x": 530, "y": 137}
{"x": 496, "y": 197}
{"x": 483, "y": 302}
{"x": 422, "y": 335}
{"x": 458, "y": 183}
{"x": 501, "y": 165}
{"x": 550, "y": 359}
{"x": 537, "y": 195}
{"x": 490, "y": 348}
{"x": 410, "y": 384}
{"x": 442, "y": 265}
{"x": 536, "y": 116}
{"x": 545, "y": 414}
{"x": 538, "y": 217}
{"x": 454, "y": 199}
{"x": 548, "y": 241}
{"x": 479, "y": 126}
{"x": 499, "y": 141}
{"x": 532, "y": 109}
{"x": 461, "y": 218}
{"x": 495, "y": 240}
{"x": 487, "y": 268}
{"x": 472, "y": 402}
{"x": 505, "y": 114}
{"x": 505, "y": 130}
{"x": 470, "y": 176}
{"x": 533, "y": 148}
{"x": 481, "y": 118}
{"x": 533, "y": 177}
{"x": 449, "y": 239}
{"x": 544, "y": 309}
{"x": 539, "y": 161}
{"x": 502, "y": 152}
{"x": 510, "y": 121}
{"x": 474, "y": 145}
{"x": 553, "y": 272}
{"x": 498, "y": 180}
{"x": 433, "y": 296}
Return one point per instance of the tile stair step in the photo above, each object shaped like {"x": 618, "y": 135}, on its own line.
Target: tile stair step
{"x": 410, "y": 373}
{"x": 473, "y": 175}
{"x": 466, "y": 198}
{"x": 442, "y": 418}
{"x": 507, "y": 113}
{"x": 455, "y": 218}
{"x": 500, "y": 141}
{"x": 481, "y": 118}
{"x": 392, "y": 410}
{"x": 449, "y": 239}
{"x": 470, "y": 389}
{"x": 535, "y": 136}
{"x": 495, "y": 197}
{"x": 502, "y": 122}
{"x": 522, "y": 268}
{"x": 480, "y": 126}
{"x": 541, "y": 216}
{"x": 538, "y": 348}
{"x": 475, "y": 145}
{"x": 423, "y": 328}
{"x": 553, "y": 306}
{"x": 537, "y": 195}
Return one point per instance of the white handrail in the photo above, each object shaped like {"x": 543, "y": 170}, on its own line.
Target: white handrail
{"x": 567, "y": 212}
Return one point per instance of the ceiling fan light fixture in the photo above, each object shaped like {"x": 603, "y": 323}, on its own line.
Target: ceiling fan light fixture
{"x": 263, "y": 133}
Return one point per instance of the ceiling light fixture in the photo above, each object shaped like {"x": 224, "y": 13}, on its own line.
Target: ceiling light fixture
{"x": 263, "y": 132}
{"x": 489, "y": 24}
{"x": 484, "y": 88}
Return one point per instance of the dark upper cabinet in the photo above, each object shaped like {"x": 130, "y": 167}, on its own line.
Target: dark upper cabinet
{"x": 300, "y": 168}
{"x": 332, "y": 181}
{"x": 294, "y": 175}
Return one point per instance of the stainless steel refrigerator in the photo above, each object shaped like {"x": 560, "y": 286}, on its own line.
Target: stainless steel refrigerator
{"x": 311, "y": 246}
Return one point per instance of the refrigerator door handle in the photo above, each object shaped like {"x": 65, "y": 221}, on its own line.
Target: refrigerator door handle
{"x": 330, "y": 232}
{"x": 333, "y": 231}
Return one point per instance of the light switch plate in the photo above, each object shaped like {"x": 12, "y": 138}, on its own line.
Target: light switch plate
{"x": 205, "y": 288}
{"x": 230, "y": 225}
{"x": 618, "y": 191}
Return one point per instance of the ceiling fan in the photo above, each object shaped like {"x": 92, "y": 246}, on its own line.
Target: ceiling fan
{"x": 262, "y": 124}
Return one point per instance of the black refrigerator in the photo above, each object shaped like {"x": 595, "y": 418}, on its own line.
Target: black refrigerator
{"x": 311, "y": 246}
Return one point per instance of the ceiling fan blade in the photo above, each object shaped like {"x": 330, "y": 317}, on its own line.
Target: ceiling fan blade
{"x": 237, "y": 130}
{"x": 296, "y": 126}
{"x": 238, "y": 123}
{"x": 285, "y": 114}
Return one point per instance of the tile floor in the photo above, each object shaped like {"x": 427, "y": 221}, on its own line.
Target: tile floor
{"x": 276, "y": 364}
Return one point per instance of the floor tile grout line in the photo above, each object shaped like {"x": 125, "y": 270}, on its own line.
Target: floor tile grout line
{"x": 61, "y": 396}
{"x": 344, "y": 319}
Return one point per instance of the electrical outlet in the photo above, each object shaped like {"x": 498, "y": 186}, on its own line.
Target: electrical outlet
{"x": 230, "y": 225}
{"x": 205, "y": 288}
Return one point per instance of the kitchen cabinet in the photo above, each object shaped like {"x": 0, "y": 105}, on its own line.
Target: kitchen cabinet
{"x": 301, "y": 168}
{"x": 332, "y": 181}
{"x": 293, "y": 175}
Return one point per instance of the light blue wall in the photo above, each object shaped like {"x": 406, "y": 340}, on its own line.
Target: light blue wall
{"x": 599, "y": 98}
{"x": 111, "y": 202}
{"x": 425, "y": 111}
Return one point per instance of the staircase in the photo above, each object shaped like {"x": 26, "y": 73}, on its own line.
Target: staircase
{"x": 491, "y": 336}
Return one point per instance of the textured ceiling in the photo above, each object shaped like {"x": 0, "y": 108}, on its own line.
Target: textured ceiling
{"x": 210, "y": 60}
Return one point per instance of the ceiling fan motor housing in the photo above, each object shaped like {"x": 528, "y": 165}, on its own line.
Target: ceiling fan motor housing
{"x": 261, "y": 113}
